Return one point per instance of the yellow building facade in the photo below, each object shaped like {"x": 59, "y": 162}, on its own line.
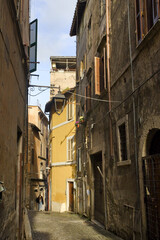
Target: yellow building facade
{"x": 62, "y": 155}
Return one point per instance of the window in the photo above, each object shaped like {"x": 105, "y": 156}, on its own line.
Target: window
{"x": 146, "y": 16}
{"x": 88, "y": 97}
{"x": 32, "y": 155}
{"x": 42, "y": 128}
{"x": 81, "y": 70}
{"x": 47, "y": 154}
{"x": 33, "y": 46}
{"x": 70, "y": 149}
{"x": 83, "y": 66}
{"x": 70, "y": 108}
{"x": 79, "y": 162}
{"x": 102, "y": 7}
{"x": 41, "y": 150}
{"x": 89, "y": 34}
{"x": 123, "y": 140}
{"x": 100, "y": 73}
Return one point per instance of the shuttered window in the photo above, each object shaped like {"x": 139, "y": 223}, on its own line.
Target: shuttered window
{"x": 123, "y": 139}
{"x": 70, "y": 149}
{"x": 152, "y": 12}
{"x": 70, "y": 109}
{"x": 79, "y": 161}
{"x": 97, "y": 75}
{"x": 88, "y": 97}
{"x": 100, "y": 73}
{"x": 147, "y": 14}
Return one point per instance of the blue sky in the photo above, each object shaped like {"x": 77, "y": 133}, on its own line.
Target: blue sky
{"x": 54, "y": 23}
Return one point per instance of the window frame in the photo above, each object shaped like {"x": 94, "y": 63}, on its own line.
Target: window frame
{"x": 88, "y": 100}
{"x": 100, "y": 72}
{"x": 79, "y": 159}
{"x": 102, "y": 8}
{"x": 120, "y": 122}
{"x": 90, "y": 33}
{"x": 144, "y": 18}
{"x": 70, "y": 149}
{"x": 70, "y": 108}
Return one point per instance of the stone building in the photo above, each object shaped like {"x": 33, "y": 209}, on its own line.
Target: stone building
{"x": 90, "y": 29}
{"x": 37, "y": 183}
{"x": 62, "y": 73}
{"x": 62, "y": 134}
{"x": 63, "y": 155}
{"x": 14, "y": 43}
{"x": 118, "y": 146}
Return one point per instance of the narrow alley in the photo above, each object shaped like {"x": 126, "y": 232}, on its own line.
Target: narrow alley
{"x": 79, "y": 119}
{"x": 65, "y": 226}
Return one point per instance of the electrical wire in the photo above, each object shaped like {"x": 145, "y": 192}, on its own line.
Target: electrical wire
{"x": 95, "y": 99}
{"x": 130, "y": 95}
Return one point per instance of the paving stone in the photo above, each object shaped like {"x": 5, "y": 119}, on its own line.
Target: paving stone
{"x": 65, "y": 226}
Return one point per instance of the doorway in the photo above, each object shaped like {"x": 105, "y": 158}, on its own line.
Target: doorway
{"x": 71, "y": 196}
{"x": 99, "y": 214}
{"x": 151, "y": 173}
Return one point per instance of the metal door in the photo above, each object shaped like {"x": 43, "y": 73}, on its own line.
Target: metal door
{"x": 151, "y": 170}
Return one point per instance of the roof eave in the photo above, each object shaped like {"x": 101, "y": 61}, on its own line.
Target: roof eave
{"x": 80, "y": 7}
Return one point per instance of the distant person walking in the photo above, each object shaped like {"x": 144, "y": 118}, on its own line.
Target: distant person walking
{"x": 40, "y": 202}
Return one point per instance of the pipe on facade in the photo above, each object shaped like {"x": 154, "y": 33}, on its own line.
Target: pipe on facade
{"x": 109, "y": 98}
{"x": 108, "y": 75}
{"x": 134, "y": 107}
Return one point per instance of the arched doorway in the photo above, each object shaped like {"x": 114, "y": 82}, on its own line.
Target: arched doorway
{"x": 151, "y": 173}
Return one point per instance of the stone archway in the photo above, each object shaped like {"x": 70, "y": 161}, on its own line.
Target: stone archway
{"x": 149, "y": 149}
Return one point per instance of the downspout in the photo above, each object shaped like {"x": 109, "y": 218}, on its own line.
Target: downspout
{"x": 109, "y": 98}
{"x": 134, "y": 109}
{"x": 108, "y": 76}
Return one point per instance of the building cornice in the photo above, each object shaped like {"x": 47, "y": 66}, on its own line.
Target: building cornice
{"x": 61, "y": 124}
{"x": 57, "y": 164}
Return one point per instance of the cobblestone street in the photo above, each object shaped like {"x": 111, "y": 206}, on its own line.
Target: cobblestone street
{"x": 65, "y": 226}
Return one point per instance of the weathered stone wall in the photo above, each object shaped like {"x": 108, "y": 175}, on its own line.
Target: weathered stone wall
{"x": 90, "y": 135}
{"x": 123, "y": 187}
{"x": 13, "y": 100}
{"x": 37, "y": 156}
{"x": 135, "y": 88}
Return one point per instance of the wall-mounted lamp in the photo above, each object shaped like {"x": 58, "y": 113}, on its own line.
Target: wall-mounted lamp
{"x": 2, "y": 189}
{"x": 54, "y": 65}
{"x": 59, "y": 101}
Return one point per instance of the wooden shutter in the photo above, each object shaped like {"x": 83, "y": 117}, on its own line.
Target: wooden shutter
{"x": 72, "y": 149}
{"x": 105, "y": 74}
{"x": 89, "y": 95}
{"x": 97, "y": 75}
{"x": 85, "y": 99}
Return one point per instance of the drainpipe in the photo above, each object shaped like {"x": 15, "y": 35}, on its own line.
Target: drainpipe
{"x": 134, "y": 107}
{"x": 108, "y": 76}
{"x": 109, "y": 98}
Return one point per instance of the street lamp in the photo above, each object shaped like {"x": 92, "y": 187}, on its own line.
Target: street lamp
{"x": 59, "y": 102}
